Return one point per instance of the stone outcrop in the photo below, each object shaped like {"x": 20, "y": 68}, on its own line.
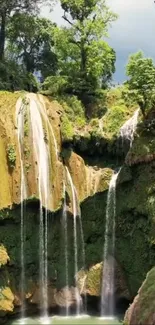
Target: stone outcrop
{"x": 90, "y": 282}
{"x": 142, "y": 310}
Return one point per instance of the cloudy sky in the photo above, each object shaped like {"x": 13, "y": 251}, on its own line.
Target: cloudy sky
{"x": 134, "y": 30}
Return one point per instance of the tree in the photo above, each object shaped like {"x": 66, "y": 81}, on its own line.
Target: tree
{"x": 10, "y": 7}
{"x": 30, "y": 40}
{"x": 83, "y": 55}
{"x": 141, "y": 73}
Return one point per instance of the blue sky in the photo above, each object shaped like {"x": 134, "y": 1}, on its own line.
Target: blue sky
{"x": 134, "y": 30}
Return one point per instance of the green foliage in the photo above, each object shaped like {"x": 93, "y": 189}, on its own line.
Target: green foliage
{"x": 54, "y": 85}
{"x": 30, "y": 39}
{"x": 66, "y": 129}
{"x": 11, "y": 155}
{"x": 14, "y": 77}
{"x": 141, "y": 73}
{"x": 8, "y": 8}
{"x": 74, "y": 112}
{"x": 118, "y": 111}
{"x": 83, "y": 56}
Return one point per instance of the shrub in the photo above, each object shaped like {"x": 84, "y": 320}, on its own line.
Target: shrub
{"x": 11, "y": 155}
{"x": 66, "y": 129}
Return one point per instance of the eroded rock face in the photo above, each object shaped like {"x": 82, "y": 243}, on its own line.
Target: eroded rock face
{"x": 142, "y": 310}
{"x": 90, "y": 282}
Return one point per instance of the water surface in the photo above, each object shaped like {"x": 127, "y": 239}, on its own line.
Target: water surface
{"x": 68, "y": 320}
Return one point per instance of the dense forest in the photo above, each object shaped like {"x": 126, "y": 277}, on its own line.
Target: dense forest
{"x": 72, "y": 60}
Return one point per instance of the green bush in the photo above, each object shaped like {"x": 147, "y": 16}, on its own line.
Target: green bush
{"x": 14, "y": 77}
{"x": 66, "y": 129}
{"x": 55, "y": 85}
{"x": 11, "y": 155}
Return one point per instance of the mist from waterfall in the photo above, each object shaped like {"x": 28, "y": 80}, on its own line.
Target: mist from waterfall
{"x": 107, "y": 293}
{"x": 65, "y": 227}
{"x": 20, "y": 111}
{"x": 127, "y": 131}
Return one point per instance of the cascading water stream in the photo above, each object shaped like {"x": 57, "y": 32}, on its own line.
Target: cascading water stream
{"x": 20, "y": 110}
{"x": 127, "y": 131}
{"x": 42, "y": 159}
{"x": 107, "y": 294}
{"x": 83, "y": 247}
{"x": 66, "y": 249}
{"x": 75, "y": 213}
{"x": 49, "y": 126}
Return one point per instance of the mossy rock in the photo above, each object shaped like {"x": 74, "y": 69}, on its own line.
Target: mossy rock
{"x": 4, "y": 258}
{"x": 142, "y": 151}
{"x": 6, "y": 299}
{"x": 142, "y": 310}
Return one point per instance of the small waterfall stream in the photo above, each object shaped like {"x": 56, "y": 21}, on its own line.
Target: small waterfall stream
{"x": 107, "y": 294}
{"x": 127, "y": 131}
{"x": 66, "y": 249}
{"x": 20, "y": 110}
{"x": 76, "y": 214}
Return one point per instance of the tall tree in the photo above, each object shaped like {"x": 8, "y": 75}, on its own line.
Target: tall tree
{"x": 141, "y": 73}
{"x": 30, "y": 39}
{"x": 7, "y": 9}
{"x": 83, "y": 53}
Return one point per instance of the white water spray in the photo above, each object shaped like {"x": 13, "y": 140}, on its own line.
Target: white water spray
{"x": 20, "y": 111}
{"x": 107, "y": 294}
{"x": 41, "y": 106}
{"x": 42, "y": 158}
{"x": 66, "y": 249}
{"x": 127, "y": 131}
{"x": 75, "y": 213}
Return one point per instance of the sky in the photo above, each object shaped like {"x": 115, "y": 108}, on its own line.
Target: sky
{"x": 134, "y": 30}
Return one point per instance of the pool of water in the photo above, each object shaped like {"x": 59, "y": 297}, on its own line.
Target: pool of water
{"x": 85, "y": 319}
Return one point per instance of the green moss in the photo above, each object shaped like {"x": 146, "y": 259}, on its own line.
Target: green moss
{"x": 115, "y": 117}
{"x": 147, "y": 299}
{"x": 135, "y": 224}
{"x": 11, "y": 155}
{"x": 143, "y": 146}
{"x": 66, "y": 129}
{"x": 142, "y": 309}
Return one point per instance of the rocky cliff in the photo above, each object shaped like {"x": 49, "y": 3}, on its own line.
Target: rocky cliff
{"x": 91, "y": 154}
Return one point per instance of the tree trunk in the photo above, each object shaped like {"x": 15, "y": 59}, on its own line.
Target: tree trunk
{"x": 2, "y": 35}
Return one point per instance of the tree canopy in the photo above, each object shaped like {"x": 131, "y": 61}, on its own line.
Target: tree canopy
{"x": 10, "y": 7}
{"x": 141, "y": 73}
{"x": 30, "y": 41}
{"x": 83, "y": 53}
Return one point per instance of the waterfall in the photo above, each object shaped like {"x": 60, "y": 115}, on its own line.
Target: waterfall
{"x": 75, "y": 214}
{"x": 82, "y": 248}
{"x": 41, "y": 106}
{"x": 66, "y": 249}
{"x": 127, "y": 131}
{"x": 42, "y": 159}
{"x": 20, "y": 110}
{"x": 107, "y": 294}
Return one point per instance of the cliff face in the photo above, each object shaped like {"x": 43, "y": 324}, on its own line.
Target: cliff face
{"x": 142, "y": 310}
{"x": 91, "y": 171}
